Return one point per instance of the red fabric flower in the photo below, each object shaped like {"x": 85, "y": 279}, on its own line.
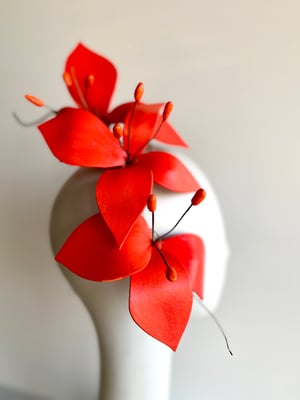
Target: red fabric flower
{"x": 91, "y": 80}
{"x": 78, "y": 137}
{"x": 164, "y": 273}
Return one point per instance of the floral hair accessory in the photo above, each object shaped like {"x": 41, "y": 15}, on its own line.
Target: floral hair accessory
{"x": 164, "y": 270}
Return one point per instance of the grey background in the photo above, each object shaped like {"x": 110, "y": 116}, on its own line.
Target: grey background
{"x": 232, "y": 70}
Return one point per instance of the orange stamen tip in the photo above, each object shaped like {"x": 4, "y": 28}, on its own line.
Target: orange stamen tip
{"x": 139, "y": 91}
{"x": 198, "y": 197}
{"x": 117, "y": 131}
{"x": 171, "y": 274}
{"x": 151, "y": 202}
{"x": 67, "y": 78}
{"x": 167, "y": 110}
{"x": 89, "y": 81}
{"x": 34, "y": 100}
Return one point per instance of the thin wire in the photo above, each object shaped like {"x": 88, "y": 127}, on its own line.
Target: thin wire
{"x": 152, "y": 229}
{"x": 213, "y": 317}
{"x": 35, "y": 122}
{"x": 177, "y": 223}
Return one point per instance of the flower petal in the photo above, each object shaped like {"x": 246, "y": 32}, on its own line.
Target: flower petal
{"x": 139, "y": 126}
{"x": 119, "y": 113}
{"x": 91, "y": 251}
{"x": 160, "y": 307}
{"x": 78, "y": 137}
{"x": 164, "y": 133}
{"x": 83, "y": 63}
{"x": 169, "y": 172}
{"x": 190, "y": 250}
{"x": 122, "y": 194}
{"x": 167, "y": 134}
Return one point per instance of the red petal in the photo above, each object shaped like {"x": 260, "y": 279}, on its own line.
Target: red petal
{"x": 91, "y": 251}
{"x": 139, "y": 126}
{"x": 167, "y": 134}
{"x": 82, "y": 63}
{"x": 78, "y": 137}
{"x": 119, "y": 113}
{"x": 189, "y": 249}
{"x": 121, "y": 196}
{"x": 160, "y": 307}
{"x": 169, "y": 172}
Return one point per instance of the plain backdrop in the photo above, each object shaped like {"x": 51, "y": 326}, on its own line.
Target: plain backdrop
{"x": 232, "y": 69}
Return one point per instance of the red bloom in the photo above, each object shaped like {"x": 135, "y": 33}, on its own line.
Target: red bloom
{"x": 164, "y": 272}
{"x": 91, "y": 80}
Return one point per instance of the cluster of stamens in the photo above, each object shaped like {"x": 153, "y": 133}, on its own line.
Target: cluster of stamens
{"x": 199, "y": 196}
{"x": 71, "y": 80}
{"x": 118, "y": 130}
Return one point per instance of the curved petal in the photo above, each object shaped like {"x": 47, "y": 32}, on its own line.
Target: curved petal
{"x": 91, "y": 251}
{"x": 78, "y": 137}
{"x": 119, "y": 113}
{"x": 122, "y": 194}
{"x": 169, "y": 172}
{"x": 190, "y": 250}
{"x": 83, "y": 63}
{"x": 139, "y": 126}
{"x": 167, "y": 134}
{"x": 160, "y": 307}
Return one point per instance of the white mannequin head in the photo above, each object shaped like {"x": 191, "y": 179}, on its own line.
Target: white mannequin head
{"x": 107, "y": 302}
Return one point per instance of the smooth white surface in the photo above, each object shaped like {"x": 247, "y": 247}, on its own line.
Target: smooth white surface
{"x": 232, "y": 70}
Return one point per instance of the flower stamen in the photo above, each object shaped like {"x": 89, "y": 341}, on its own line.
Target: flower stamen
{"x": 67, "y": 78}
{"x": 151, "y": 204}
{"x": 38, "y": 103}
{"x": 198, "y": 197}
{"x": 34, "y": 100}
{"x": 166, "y": 113}
{"x": 118, "y": 131}
{"x": 89, "y": 81}
{"x": 74, "y": 81}
{"x": 171, "y": 273}
{"x": 139, "y": 91}
{"x": 138, "y": 94}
